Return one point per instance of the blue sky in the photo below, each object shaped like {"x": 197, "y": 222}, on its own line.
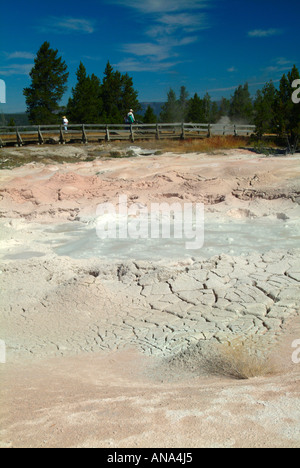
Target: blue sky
{"x": 205, "y": 45}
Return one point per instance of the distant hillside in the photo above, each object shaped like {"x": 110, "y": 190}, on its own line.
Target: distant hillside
{"x": 156, "y": 106}
{"x": 20, "y": 118}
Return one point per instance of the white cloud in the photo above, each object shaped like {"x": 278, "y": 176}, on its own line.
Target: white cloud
{"x": 16, "y": 69}
{"x": 179, "y": 24}
{"x": 265, "y": 32}
{"x": 278, "y": 69}
{"x": 186, "y": 41}
{"x": 20, "y": 55}
{"x": 231, "y": 69}
{"x": 135, "y": 65}
{"x": 66, "y": 25}
{"x": 90, "y": 57}
{"x": 159, "y": 6}
{"x": 184, "y": 20}
{"x": 222, "y": 89}
{"x": 161, "y": 50}
{"x": 283, "y": 61}
{"x": 157, "y": 51}
{"x": 171, "y": 25}
{"x": 160, "y": 56}
{"x": 270, "y": 69}
{"x": 279, "y": 65}
{"x": 231, "y": 88}
{"x": 151, "y": 57}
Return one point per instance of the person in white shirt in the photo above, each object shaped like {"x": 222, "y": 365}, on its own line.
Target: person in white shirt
{"x": 130, "y": 117}
{"x": 65, "y": 122}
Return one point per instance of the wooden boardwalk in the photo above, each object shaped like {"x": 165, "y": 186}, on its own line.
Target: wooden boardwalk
{"x": 78, "y": 133}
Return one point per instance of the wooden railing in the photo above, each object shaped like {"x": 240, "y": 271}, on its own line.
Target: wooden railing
{"x": 84, "y": 133}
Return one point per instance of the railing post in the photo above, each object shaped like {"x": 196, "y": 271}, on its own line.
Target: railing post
{"x": 41, "y": 139}
{"x": 19, "y": 138}
{"x": 107, "y": 137}
{"x": 208, "y": 131}
{"x": 84, "y": 137}
{"x": 131, "y": 133}
{"x": 157, "y": 132}
{"x": 182, "y": 131}
{"x": 61, "y": 136}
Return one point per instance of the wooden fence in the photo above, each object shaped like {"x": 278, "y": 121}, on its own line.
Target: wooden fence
{"x": 45, "y": 134}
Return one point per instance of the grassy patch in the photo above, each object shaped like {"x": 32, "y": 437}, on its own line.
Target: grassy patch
{"x": 201, "y": 145}
{"x": 240, "y": 358}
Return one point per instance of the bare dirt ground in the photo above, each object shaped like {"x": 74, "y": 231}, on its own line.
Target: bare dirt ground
{"x": 104, "y": 352}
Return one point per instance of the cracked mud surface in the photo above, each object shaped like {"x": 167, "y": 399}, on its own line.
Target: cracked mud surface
{"x": 70, "y": 306}
{"x": 94, "y": 336}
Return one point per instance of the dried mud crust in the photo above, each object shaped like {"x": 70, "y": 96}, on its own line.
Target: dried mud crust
{"x": 51, "y": 192}
{"x": 63, "y": 306}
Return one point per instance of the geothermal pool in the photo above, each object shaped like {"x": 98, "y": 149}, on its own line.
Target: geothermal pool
{"x": 230, "y": 237}
{"x": 80, "y": 240}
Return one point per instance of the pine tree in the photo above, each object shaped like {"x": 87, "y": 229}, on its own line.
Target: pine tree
{"x": 214, "y": 113}
{"x": 206, "y": 104}
{"x": 264, "y": 110}
{"x": 85, "y": 105}
{"x": 110, "y": 94}
{"x": 11, "y": 123}
{"x": 224, "y": 108}
{"x": 48, "y": 85}
{"x": 129, "y": 97}
{"x": 287, "y": 112}
{"x": 294, "y": 121}
{"x": 2, "y": 118}
{"x": 76, "y": 104}
{"x": 195, "y": 112}
{"x": 241, "y": 106}
{"x": 94, "y": 100}
{"x": 118, "y": 96}
{"x": 149, "y": 117}
{"x": 170, "y": 111}
{"x": 183, "y": 104}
